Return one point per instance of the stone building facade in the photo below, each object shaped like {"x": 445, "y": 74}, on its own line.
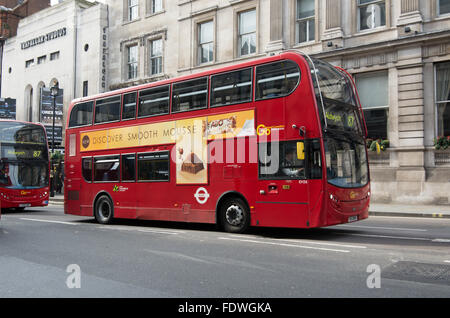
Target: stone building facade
{"x": 397, "y": 50}
{"x": 66, "y": 42}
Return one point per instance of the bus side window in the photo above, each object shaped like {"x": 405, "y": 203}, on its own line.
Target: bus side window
{"x": 276, "y": 79}
{"x": 106, "y": 169}
{"x": 231, "y": 88}
{"x": 154, "y": 101}
{"x": 190, "y": 95}
{"x": 314, "y": 159}
{"x": 153, "y": 166}
{"x": 129, "y": 167}
{"x": 107, "y": 110}
{"x": 129, "y": 106}
{"x": 280, "y": 160}
{"x": 86, "y": 167}
{"x": 81, "y": 114}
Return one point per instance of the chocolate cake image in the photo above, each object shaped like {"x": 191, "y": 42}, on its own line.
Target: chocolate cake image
{"x": 192, "y": 164}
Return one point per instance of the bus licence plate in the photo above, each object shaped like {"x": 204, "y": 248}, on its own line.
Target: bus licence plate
{"x": 353, "y": 218}
{"x": 24, "y": 205}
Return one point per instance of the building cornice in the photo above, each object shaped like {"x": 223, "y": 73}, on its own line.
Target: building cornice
{"x": 418, "y": 39}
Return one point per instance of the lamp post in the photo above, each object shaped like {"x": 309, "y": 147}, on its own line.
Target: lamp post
{"x": 54, "y": 90}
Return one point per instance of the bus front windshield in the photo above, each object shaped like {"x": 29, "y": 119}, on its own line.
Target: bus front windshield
{"x": 341, "y": 120}
{"x": 338, "y": 108}
{"x": 346, "y": 162}
{"x": 24, "y": 156}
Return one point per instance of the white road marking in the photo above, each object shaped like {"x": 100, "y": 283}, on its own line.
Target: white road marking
{"x": 388, "y": 236}
{"x": 327, "y": 244}
{"x": 383, "y": 228}
{"x": 439, "y": 240}
{"x": 285, "y": 245}
{"x": 49, "y": 221}
{"x": 121, "y": 228}
{"x": 301, "y": 241}
{"x": 446, "y": 261}
{"x": 415, "y": 218}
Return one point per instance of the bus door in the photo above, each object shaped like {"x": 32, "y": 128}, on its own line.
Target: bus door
{"x": 282, "y": 198}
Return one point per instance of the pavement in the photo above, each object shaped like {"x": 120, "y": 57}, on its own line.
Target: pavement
{"x": 381, "y": 209}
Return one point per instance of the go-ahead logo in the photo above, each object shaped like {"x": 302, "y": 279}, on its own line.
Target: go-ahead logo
{"x": 201, "y": 195}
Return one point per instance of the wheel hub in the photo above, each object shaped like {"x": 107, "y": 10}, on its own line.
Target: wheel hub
{"x": 234, "y": 215}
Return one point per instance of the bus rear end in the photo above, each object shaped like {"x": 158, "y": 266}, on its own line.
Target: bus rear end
{"x": 24, "y": 165}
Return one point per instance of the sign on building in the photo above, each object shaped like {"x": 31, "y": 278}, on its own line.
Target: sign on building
{"x": 7, "y": 108}
{"x": 47, "y": 112}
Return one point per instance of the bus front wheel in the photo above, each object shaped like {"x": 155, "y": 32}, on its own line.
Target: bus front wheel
{"x": 235, "y": 216}
{"x": 104, "y": 210}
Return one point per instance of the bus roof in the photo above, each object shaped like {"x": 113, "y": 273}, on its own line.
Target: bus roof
{"x": 217, "y": 70}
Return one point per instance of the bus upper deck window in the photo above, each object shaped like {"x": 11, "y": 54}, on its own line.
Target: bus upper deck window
{"x": 276, "y": 79}
{"x": 81, "y": 114}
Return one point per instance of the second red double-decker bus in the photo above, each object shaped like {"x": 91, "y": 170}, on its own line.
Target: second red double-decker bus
{"x": 24, "y": 165}
{"x": 275, "y": 142}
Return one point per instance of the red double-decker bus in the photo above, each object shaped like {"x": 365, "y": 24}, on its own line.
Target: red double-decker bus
{"x": 24, "y": 165}
{"x": 275, "y": 142}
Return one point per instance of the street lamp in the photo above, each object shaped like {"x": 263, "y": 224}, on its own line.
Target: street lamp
{"x": 54, "y": 90}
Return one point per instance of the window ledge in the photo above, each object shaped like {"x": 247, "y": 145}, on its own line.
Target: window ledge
{"x": 379, "y": 29}
{"x": 149, "y": 15}
{"x": 131, "y": 21}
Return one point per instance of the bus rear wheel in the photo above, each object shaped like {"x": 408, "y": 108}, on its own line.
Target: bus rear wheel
{"x": 104, "y": 210}
{"x": 234, "y": 215}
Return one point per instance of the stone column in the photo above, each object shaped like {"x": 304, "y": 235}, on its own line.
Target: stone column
{"x": 276, "y": 42}
{"x": 410, "y": 19}
{"x": 411, "y": 151}
{"x": 333, "y": 34}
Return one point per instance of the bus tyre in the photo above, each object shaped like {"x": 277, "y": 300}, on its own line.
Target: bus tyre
{"x": 104, "y": 210}
{"x": 234, "y": 215}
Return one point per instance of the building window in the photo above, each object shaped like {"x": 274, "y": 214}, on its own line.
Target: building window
{"x": 443, "y": 7}
{"x": 29, "y": 63}
{"x": 156, "y": 53}
{"x": 205, "y": 42}
{"x": 54, "y": 56}
{"x": 132, "y": 61}
{"x": 85, "y": 88}
{"x": 247, "y": 33}
{"x": 443, "y": 98}
{"x": 305, "y": 23}
{"x": 41, "y": 59}
{"x": 133, "y": 9}
{"x": 155, "y": 6}
{"x": 371, "y": 14}
{"x": 374, "y": 95}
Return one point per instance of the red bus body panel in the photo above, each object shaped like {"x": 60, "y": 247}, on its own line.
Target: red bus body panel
{"x": 285, "y": 203}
